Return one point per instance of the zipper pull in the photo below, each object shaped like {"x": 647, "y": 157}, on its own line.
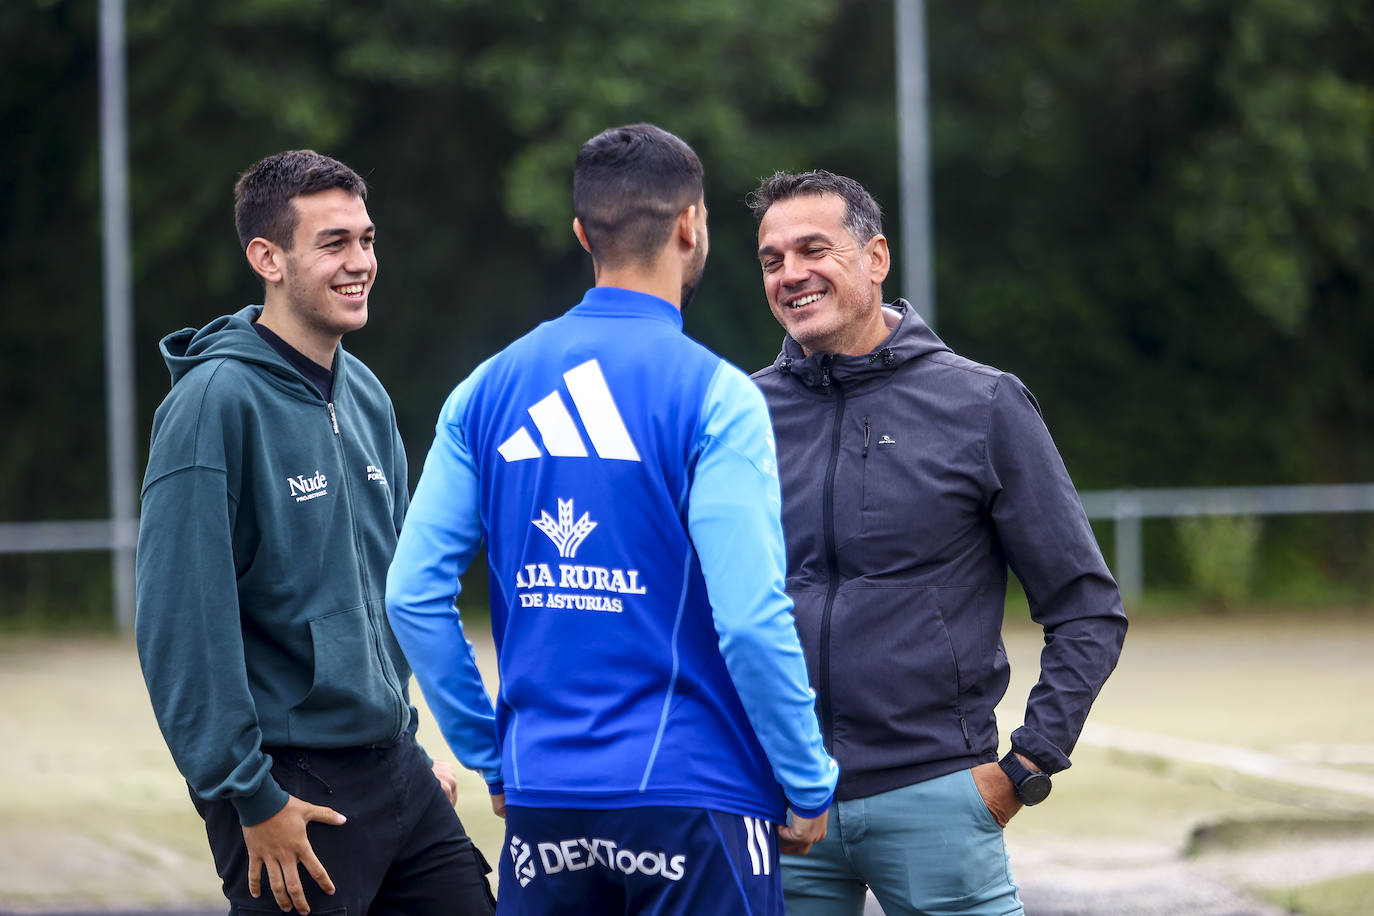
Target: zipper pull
{"x": 333, "y": 420}
{"x": 865, "y": 437}
{"x": 825, "y": 372}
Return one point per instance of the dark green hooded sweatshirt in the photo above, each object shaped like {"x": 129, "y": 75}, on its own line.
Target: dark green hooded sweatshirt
{"x": 269, "y": 519}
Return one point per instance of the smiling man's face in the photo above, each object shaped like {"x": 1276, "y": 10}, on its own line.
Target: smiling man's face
{"x": 823, "y": 286}
{"x": 332, "y": 264}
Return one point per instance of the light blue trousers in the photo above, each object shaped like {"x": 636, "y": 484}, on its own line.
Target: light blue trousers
{"x": 931, "y": 849}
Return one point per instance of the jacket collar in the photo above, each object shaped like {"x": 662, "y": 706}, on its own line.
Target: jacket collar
{"x": 910, "y": 338}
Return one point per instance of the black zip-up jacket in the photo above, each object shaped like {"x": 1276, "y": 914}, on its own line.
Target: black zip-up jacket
{"x": 911, "y": 479}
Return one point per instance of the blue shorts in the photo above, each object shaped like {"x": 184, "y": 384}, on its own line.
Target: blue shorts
{"x": 660, "y": 860}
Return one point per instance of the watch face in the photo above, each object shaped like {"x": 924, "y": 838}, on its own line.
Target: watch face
{"x": 1034, "y": 789}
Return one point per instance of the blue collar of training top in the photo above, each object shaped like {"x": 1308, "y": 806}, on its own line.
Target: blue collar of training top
{"x": 612, "y": 301}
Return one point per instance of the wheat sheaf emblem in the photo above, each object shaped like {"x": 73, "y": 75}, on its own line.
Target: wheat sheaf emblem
{"x": 567, "y": 535}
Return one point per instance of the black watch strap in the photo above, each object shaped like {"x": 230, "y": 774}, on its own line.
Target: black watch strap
{"x": 1032, "y": 787}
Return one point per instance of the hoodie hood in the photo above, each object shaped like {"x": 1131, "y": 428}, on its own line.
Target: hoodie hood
{"x": 232, "y": 337}
{"x": 910, "y": 339}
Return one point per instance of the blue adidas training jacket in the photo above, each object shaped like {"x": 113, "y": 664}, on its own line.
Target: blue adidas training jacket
{"x": 623, "y": 478}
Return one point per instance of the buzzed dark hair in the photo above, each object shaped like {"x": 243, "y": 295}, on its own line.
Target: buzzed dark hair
{"x": 862, "y": 215}
{"x": 628, "y": 185}
{"x": 262, "y": 196}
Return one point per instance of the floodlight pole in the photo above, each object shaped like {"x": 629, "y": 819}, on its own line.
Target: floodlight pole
{"x": 119, "y": 361}
{"x": 918, "y": 275}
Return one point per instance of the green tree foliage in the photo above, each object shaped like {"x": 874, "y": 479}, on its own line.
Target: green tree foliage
{"x": 464, "y": 116}
{"x": 1156, "y": 213}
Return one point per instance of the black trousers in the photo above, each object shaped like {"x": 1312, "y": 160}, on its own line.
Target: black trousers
{"x": 402, "y": 851}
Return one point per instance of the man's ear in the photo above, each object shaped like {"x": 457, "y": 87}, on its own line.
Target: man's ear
{"x": 266, "y": 259}
{"x": 687, "y": 226}
{"x": 879, "y": 259}
{"x": 581, "y": 234}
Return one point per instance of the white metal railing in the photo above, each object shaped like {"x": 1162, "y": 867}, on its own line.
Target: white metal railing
{"x": 1127, "y": 507}
{"x": 119, "y": 539}
{"x": 58, "y": 537}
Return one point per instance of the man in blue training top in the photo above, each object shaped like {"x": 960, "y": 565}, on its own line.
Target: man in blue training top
{"x": 654, "y": 721}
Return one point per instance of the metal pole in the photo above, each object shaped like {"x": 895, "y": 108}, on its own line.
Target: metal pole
{"x": 1130, "y": 556}
{"x": 918, "y": 275}
{"x": 119, "y": 362}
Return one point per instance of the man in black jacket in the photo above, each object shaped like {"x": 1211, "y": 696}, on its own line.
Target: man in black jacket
{"x": 912, "y": 478}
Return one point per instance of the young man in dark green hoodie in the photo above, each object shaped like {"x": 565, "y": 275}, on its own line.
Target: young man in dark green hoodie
{"x": 275, "y": 488}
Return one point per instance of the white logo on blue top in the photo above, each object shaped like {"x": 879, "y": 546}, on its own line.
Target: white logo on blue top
{"x": 566, "y": 534}
{"x": 595, "y": 407}
{"x": 566, "y": 585}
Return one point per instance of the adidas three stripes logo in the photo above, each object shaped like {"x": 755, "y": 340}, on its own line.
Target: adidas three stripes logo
{"x": 559, "y": 434}
{"x": 756, "y": 831}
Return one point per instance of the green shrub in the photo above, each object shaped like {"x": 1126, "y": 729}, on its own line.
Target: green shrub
{"x": 1220, "y": 554}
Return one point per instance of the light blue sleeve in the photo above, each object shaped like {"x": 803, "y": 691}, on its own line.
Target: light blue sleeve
{"x": 734, "y": 516}
{"x": 441, "y": 535}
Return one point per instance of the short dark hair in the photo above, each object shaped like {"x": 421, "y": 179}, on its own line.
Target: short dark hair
{"x": 262, "y": 195}
{"x": 862, "y": 215}
{"x": 628, "y": 185}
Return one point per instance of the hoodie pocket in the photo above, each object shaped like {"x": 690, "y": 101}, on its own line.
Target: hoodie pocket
{"x": 350, "y": 699}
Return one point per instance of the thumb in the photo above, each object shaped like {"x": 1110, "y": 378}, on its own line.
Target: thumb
{"x": 325, "y": 815}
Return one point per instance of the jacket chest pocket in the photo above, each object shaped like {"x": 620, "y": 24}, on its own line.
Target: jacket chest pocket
{"x": 916, "y": 505}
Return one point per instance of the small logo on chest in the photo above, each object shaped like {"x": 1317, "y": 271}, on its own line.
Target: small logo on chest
{"x": 885, "y": 439}
{"x": 375, "y": 473}
{"x": 304, "y": 488}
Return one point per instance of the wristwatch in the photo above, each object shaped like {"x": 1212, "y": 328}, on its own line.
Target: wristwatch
{"x": 1032, "y": 786}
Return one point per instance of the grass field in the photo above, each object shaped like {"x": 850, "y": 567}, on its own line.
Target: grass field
{"x": 92, "y": 812}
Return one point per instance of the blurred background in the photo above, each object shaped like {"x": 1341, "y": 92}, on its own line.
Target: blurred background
{"x": 1158, "y": 214}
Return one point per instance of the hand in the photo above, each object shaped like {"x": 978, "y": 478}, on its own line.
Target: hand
{"x": 280, "y": 844}
{"x": 998, "y": 793}
{"x": 498, "y": 805}
{"x": 799, "y": 834}
{"x": 443, "y": 771}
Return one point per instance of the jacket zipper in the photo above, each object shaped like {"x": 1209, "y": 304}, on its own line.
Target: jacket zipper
{"x": 832, "y": 560}
{"x": 865, "y": 437}
{"x": 362, "y": 573}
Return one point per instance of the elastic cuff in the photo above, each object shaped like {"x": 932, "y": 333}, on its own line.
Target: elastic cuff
{"x": 1038, "y": 750}
{"x": 496, "y": 788}
{"x": 812, "y": 812}
{"x": 262, "y": 804}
